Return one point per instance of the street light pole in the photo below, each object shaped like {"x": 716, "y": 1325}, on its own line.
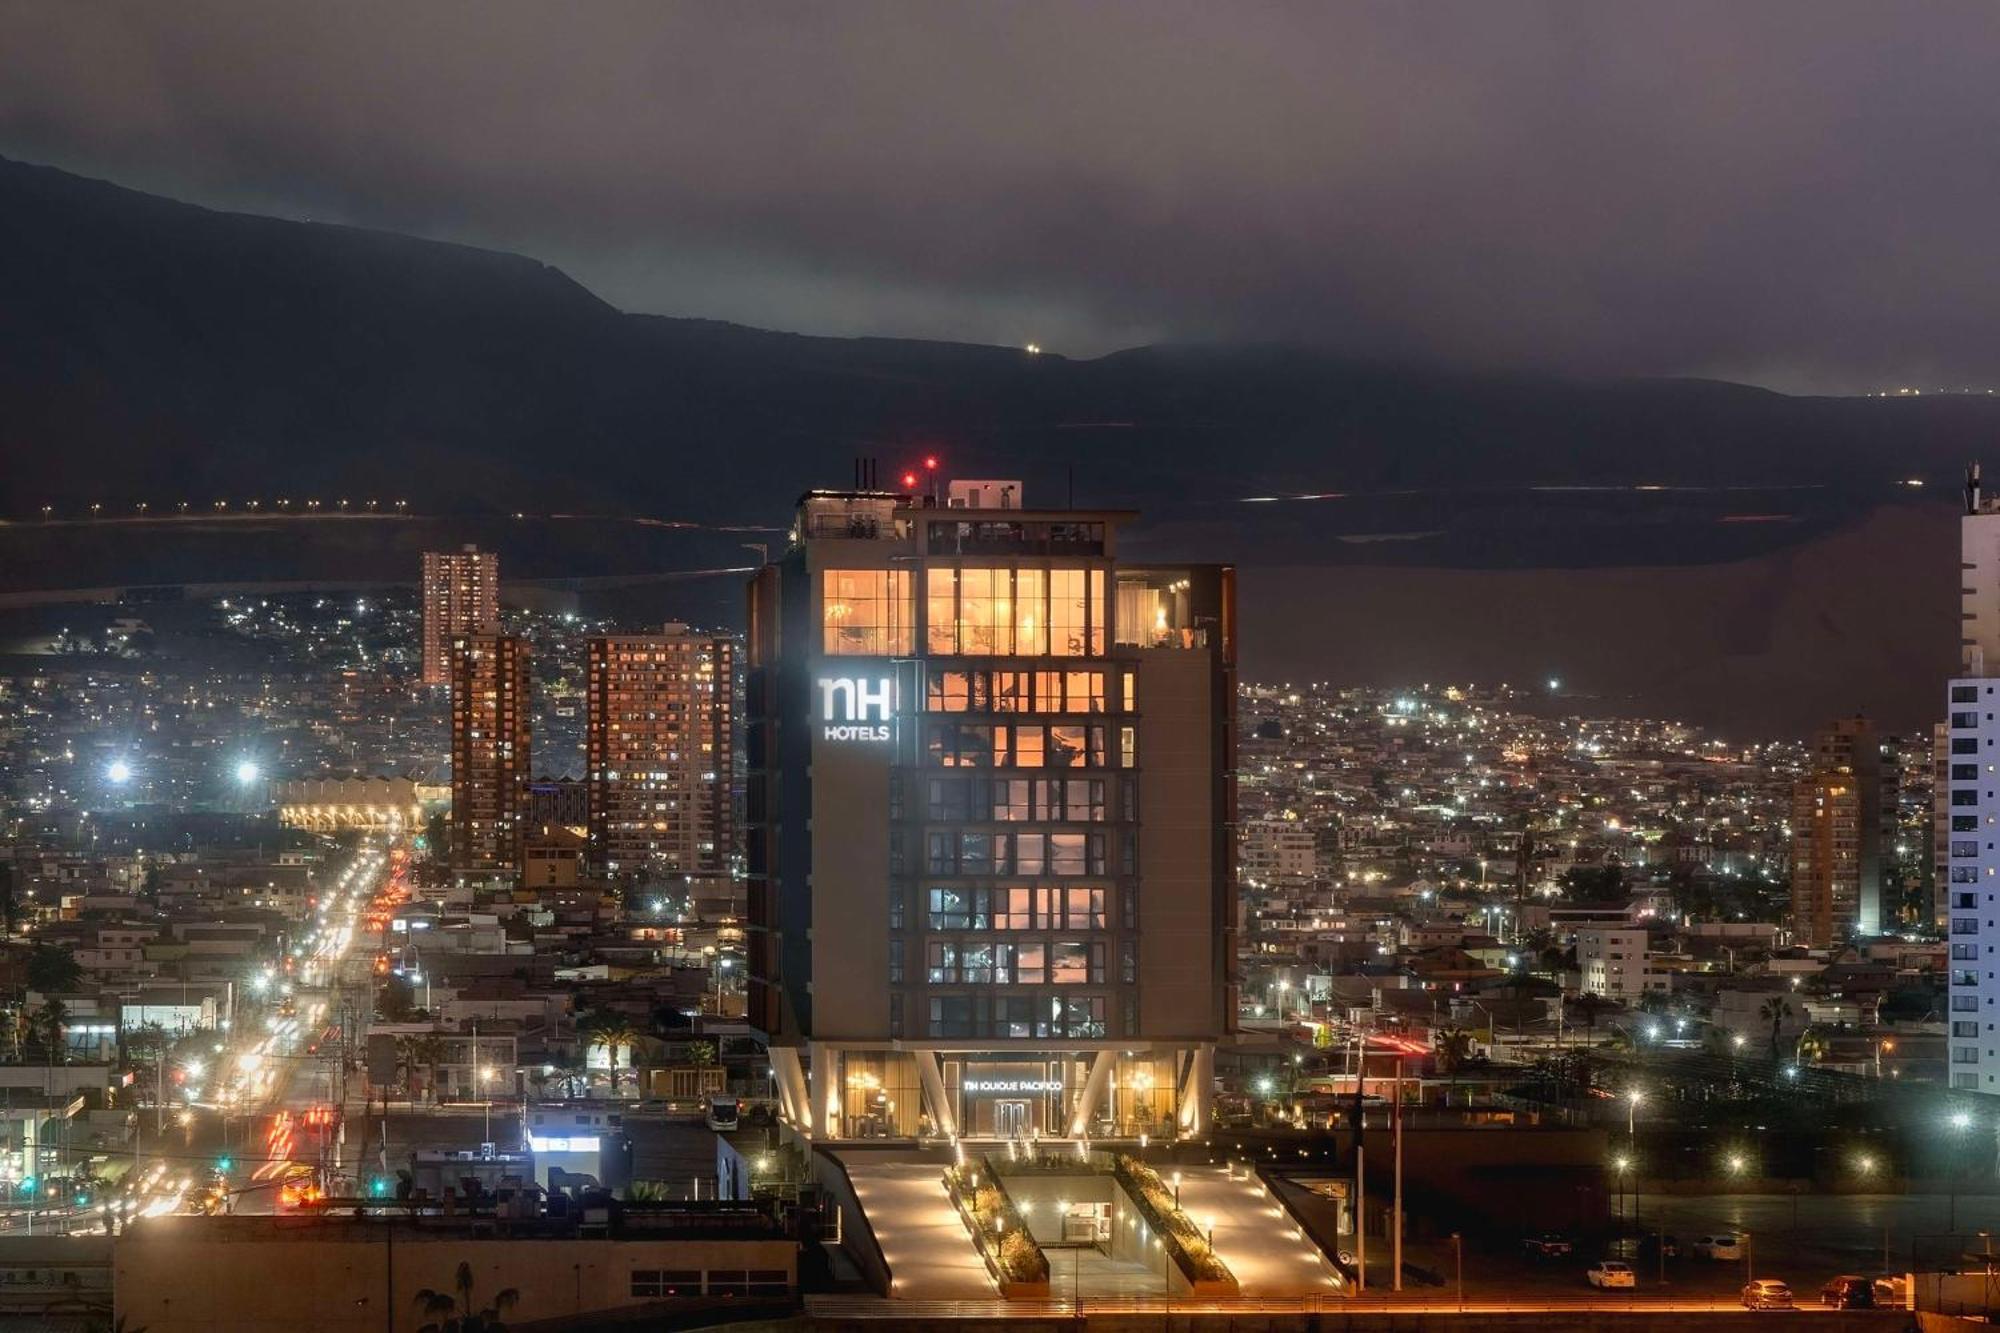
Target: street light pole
{"x": 1458, "y": 1261}
{"x": 1396, "y": 1208}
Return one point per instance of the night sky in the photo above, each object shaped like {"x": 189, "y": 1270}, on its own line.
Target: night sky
{"x": 1799, "y": 194}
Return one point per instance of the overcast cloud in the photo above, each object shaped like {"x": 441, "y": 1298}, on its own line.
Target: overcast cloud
{"x": 1803, "y": 194}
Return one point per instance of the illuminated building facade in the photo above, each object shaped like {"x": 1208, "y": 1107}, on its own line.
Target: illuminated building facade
{"x": 461, "y": 593}
{"x": 659, "y": 746}
{"x": 989, "y": 809}
{"x": 1972, "y": 736}
{"x": 490, "y": 720}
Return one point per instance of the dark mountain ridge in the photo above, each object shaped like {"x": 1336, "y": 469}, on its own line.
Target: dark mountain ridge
{"x": 152, "y": 351}
{"x": 149, "y": 347}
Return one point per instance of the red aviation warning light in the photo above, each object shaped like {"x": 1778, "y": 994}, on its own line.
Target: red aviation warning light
{"x": 910, "y": 480}
{"x": 930, "y": 463}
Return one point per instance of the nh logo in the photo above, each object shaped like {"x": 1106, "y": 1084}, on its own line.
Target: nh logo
{"x": 843, "y": 699}
{"x": 856, "y": 710}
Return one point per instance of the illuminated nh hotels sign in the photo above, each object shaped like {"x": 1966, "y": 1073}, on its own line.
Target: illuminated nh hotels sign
{"x": 855, "y": 708}
{"x": 1012, "y": 1085}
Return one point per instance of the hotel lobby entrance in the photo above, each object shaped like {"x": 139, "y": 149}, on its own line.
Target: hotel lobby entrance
{"x": 1004, "y": 1098}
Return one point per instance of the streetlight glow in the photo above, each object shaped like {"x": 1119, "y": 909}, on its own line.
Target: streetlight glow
{"x": 246, "y": 771}
{"x": 119, "y": 771}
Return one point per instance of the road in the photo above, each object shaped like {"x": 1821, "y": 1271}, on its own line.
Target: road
{"x": 275, "y": 1116}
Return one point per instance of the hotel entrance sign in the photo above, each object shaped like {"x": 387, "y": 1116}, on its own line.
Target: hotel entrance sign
{"x": 1016, "y": 1085}
{"x": 855, "y": 708}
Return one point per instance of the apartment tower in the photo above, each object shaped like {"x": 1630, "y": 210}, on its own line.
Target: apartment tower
{"x": 659, "y": 747}
{"x": 1844, "y": 825}
{"x": 490, "y": 717}
{"x": 1973, "y": 840}
{"x": 461, "y": 596}
{"x": 990, "y": 813}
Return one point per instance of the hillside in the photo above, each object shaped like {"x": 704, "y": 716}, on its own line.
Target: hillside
{"x": 158, "y": 352}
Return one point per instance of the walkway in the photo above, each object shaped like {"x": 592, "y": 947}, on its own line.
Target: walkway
{"x": 930, "y": 1255}
{"x": 1270, "y": 1256}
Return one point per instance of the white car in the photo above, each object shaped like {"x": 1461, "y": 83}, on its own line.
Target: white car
{"x": 1723, "y": 1245}
{"x": 1611, "y": 1273}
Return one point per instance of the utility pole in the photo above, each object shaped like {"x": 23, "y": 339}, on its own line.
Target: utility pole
{"x": 1360, "y": 1217}
{"x": 1396, "y": 1210}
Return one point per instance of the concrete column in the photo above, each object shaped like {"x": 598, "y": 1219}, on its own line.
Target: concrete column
{"x": 1198, "y": 1093}
{"x": 943, "y": 1114}
{"x": 825, "y": 1092}
{"x": 793, "y": 1099}
{"x": 1094, "y": 1088}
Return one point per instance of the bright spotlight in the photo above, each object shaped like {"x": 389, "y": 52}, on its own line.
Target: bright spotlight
{"x": 246, "y": 771}
{"x": 120, "y": 771}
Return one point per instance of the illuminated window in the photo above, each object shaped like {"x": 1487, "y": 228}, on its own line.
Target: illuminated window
{"x": 866, "y": 612}
{"x": 982, "y": 611}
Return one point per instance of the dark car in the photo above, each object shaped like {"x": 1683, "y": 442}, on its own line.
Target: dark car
{"x": 1548, "y": 1245}
{"x": 1848, "y": 1292}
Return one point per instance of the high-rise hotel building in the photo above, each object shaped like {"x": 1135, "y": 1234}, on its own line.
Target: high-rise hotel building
{"x": 1973, "y": 781}
{"x": 659, "y": 747}
{"x": 490, "y": 719}
{"x": 461, "y": 593}
{"x": 990, "y": 808}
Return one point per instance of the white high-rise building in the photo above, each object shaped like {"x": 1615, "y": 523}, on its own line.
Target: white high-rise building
{"x": 1973, "y": 805}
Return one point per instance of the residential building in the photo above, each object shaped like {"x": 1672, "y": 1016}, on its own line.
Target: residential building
{"x": 1973, "y": 722}
{"x": 991, "y": 790}
{"x": 461, "y": 592}
{"x": 1614, "y": 964}
{"x": 659, "y": 748}
{"x": 1278, "y": 853}
{"x": 1826, "y": 861}
{"x": 490, "y": 717}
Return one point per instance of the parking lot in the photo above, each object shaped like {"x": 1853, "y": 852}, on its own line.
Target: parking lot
{"x": 1804, "y": 1239}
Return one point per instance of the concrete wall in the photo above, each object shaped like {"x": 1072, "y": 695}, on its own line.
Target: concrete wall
{"x": 172, "y": 1276}
{"x": 1179, "y": 995}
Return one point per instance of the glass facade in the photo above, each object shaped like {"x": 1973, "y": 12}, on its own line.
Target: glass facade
{"x": 867, "y": 613}
{"x": 984, "y": 611}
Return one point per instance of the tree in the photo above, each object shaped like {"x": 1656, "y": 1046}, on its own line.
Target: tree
{"x": 1813, "y": 1046}
{"x": 52, "y": 968}
{"x": 1592, "y": 1004}
{"x": 570, "y": 1077}
{"x": 428, "y": 1051}
{"x": 1595, "y": 884}
{"x": 45, "y": 1029}
{"x": 457, "y": 1312}
{"x": 701, "y": 1053}
{"x": 395, "y": 1000}
{"x": 1454, "y": 1051}
{"x": 1775, "y": 1011}
{"x": 608, "y": 1032}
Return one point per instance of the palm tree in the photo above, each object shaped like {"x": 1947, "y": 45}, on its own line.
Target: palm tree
{"x": 46, "y": 1027}
{"x": 1775, "y": 1010}
{"x": 1454, "y": 1049}
{"x": 457, "y": 1312}
{"x": 607, "y": 1033}
{"x": 701, "y": 1053}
